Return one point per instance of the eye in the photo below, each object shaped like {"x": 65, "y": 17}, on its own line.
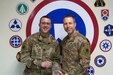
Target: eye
{"x": 65, "y": 23}
{"x": 48, "y": 23}
{"x": 70, "y": 23}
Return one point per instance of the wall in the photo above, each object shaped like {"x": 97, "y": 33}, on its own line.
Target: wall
{"x": 8, "y": 63}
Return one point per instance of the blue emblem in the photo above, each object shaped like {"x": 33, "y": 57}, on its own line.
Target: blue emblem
{"x": 108, "y": 30}
{"x": 15, "y": 25}
{"x": 90, "y": 70}
{"x": 105, "y": 45}
{"x": 100, "y": 61}
{"x": 15, "y": 41}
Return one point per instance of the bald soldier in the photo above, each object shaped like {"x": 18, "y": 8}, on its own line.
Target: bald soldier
{"x": 75, "y": 49}
{"x": 39, "y": 50}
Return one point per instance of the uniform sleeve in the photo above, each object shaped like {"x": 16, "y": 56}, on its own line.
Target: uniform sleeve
{"x": 24, "y": 55}
{"x": 84, "y": 56}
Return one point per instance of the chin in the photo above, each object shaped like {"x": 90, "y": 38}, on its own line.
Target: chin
{"x": 45, "y": 32}
{"x": 68, "y": 32}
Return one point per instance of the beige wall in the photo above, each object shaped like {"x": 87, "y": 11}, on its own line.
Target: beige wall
{"x": 8, "y": 63}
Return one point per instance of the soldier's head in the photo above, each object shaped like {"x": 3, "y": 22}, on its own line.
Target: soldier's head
{"x": 45, "y": 24}
{"x": 69, "y": 24}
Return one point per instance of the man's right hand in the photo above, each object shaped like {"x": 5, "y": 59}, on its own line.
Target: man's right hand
{"x": 46, "y": 64}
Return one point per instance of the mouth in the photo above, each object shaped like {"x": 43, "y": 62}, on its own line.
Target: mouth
{"x": 68, "y": 29}
{"x": 45, "y": 28}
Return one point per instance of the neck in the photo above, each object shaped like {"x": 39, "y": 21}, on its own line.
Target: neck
{"x": 44, "y": 34}
{"x": 70, "y": 35}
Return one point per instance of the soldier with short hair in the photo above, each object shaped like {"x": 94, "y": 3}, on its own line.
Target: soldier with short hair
{"x": 75, "y": 49}
{"x": 40, "y": 51}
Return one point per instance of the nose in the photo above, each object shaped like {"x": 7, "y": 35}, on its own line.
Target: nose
{"x": 67, "y": 25}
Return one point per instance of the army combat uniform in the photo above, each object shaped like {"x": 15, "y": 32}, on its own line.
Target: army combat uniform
{"x": 75, "y": 54}
{"x": 36, "y": 49}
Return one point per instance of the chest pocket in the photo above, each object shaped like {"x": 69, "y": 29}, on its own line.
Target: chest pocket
{"x": 42, "y": 51}
{"x": 69, "y": 46}
{"x": 36, "y": 52}
{"x": 70, "y": 51}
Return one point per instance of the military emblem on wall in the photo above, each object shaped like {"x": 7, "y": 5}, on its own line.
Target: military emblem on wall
{"x": 22, "y": 8}
{"x": 99, "y": 3}
{"x": 100, "y": 61}
{"x": 105, "y": 45}
{"x": 90, "y": 70}
{"x": 108, "y": 30}
{"x": 15, "y": 25}
{"x": 105, "y": 14}
{"x": 15, "y": 41}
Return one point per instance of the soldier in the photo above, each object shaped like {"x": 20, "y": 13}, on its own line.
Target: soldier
{"x": 40, "y": 51}
{"x": 75, "y": 49}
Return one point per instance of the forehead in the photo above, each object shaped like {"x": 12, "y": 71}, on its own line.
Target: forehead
{"x": 45, "y": 19}
{"x": 68, "y": 19}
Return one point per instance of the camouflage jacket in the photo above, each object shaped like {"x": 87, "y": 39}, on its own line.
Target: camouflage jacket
{"x": 38, "y": 47}
{"x": 75, "y": 54}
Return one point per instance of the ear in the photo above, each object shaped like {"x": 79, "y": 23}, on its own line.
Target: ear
{"x": 75, "y": 24}
{"x": 39, "y": 24}
{"x": 51, "y": 26}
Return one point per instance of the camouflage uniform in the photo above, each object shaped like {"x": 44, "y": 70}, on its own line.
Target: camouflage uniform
{"x": 38, "y": 48}
{"x": 75, "y": 54}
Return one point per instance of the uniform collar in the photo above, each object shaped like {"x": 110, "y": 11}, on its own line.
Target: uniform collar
{"x": 44, "y": 35}
{"x": 70, "y": 38}
{"x": 74, "y": 34}
{"x": 45, "y": 38}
